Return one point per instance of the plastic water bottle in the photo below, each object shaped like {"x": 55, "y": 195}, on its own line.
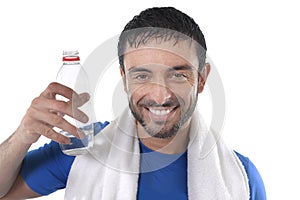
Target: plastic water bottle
{"x": 73, "y": 75}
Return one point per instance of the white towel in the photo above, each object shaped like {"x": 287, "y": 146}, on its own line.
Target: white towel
{"x": 111, "y": 170}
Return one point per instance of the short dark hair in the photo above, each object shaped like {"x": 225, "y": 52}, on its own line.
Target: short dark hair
{"x": 164, "y": 23}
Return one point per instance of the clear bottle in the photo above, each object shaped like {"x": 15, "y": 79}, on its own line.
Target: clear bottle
{"x": 73, "y": 75}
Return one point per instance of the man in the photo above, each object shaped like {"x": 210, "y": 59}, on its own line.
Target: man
{"x": 157, "y": 149}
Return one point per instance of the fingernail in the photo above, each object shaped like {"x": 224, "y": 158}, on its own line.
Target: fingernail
{"x": 81, "y": 134}
{"x": 67, "y": 141}
{"x": 85, "y": 119}
{"x": 85, "y": 96}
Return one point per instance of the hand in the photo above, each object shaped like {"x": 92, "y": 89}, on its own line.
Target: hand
{"x": 46, "y": 112}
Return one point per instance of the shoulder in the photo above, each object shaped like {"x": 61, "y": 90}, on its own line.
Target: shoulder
{"x": 46, "y": 169}
{"x": 257, "y": 188}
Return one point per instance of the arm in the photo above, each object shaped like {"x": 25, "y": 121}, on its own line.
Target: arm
{"x": 256, "y": 184}
{"x": 12, "y": 152}
{"x": 39, "y": 120}
{"x": 20, "y": 190}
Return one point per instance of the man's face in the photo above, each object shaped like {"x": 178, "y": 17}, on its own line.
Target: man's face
{"x": 161, "y": 81}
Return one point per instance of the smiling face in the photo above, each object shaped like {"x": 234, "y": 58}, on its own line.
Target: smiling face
{"x": 162, "y": 84}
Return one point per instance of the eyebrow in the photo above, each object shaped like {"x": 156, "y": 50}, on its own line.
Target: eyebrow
{"x": 138, "y": 69}
{"x": 179, "y": 67}
{"x": 182, "y": 67}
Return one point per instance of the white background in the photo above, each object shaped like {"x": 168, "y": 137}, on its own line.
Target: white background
{"x": 254, "y": 45}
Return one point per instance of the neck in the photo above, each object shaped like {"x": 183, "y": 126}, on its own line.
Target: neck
{"x": 172, "y": 145}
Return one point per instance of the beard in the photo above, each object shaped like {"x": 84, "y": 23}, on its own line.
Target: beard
{"x": 161, "y": 129}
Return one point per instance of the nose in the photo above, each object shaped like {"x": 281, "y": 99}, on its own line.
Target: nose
{"x": 160, "y": 93}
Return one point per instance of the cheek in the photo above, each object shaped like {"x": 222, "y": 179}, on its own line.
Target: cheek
{"x": 136, "y": 93}
{"x": 185, "y": 92}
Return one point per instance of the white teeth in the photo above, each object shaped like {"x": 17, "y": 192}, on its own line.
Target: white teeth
{"x": 160, "y": 112}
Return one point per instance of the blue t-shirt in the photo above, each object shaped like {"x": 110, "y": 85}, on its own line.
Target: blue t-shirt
{"x": 162, "y": 176}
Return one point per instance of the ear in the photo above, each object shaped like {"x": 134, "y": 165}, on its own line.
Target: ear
{"x": 123, "y": 78}
{"x": 203, "y": 77}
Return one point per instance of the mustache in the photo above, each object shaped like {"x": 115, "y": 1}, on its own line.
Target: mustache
{"x": 152, "y": 103}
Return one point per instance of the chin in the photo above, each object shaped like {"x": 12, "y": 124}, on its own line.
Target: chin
{"x": 163, "y": 132}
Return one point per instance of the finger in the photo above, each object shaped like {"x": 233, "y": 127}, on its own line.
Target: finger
{"x": 47, "y": 131}
{"x": 79, "y": 115}
{"x": 56, "y": 88}
{"x": 83, "y": 98}
{"x": 55, "y": 121}
{"x": 59, "y": 108}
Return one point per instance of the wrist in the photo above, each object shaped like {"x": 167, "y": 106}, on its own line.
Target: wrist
{"x": 20, "y": 137}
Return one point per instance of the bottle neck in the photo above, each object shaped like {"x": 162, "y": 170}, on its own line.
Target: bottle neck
{"x": 71, "y": 62}
{"x": 71, "y": 59}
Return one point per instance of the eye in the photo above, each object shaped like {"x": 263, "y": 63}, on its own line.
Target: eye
{"x": 178, "y": 76}
{"x": 141, "y": 77}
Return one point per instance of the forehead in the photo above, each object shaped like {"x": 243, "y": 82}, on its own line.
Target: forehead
{"x": 163, "y": 53}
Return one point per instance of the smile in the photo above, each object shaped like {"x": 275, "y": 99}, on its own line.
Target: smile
{"x": 160, "y": 112}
